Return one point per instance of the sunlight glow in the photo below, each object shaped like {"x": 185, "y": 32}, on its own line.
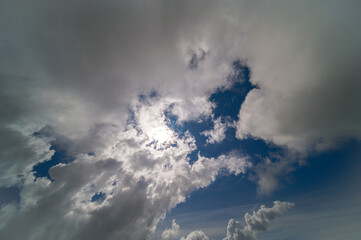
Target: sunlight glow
{"x": 161, "y": 134}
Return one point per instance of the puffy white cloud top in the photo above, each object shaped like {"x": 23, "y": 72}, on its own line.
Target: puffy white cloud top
{"x": 141, "y": 171}
{"x": 257, "y": 222}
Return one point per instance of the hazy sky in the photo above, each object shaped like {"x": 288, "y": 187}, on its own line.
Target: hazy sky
{"x": 180, "y": 120}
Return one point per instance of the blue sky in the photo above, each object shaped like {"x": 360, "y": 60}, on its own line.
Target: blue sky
{"x": 180, "y": 120}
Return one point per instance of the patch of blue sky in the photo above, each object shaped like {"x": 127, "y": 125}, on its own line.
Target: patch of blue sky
{"x": 327, "y": 194}
{"x": 227, "y": 190}
{"x": 98, "y": 197}
{"x": 328, "y": 169}
{"x": 42, "y": 169}
{"x": 338, "y": 170}
{"x": 228, "y": 102}
{"x": 60, "y": 153}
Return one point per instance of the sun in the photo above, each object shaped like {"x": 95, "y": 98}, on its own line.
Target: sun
{"x": 160, "y": 134}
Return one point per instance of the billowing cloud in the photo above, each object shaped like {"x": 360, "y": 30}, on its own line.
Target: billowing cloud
{"x": 196, "y": 235}
{"x": 305, "y": 62}
{"x": 255, "y": 223}
{"x": 173, "y": 233}
{"x": 119, "y": 190}
{"x": 218, "y": 133}
{"x": 79, "y": 67}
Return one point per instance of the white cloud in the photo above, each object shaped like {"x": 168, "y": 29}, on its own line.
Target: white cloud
{"x": 174, "y": 232}
{"x": 196, "y": 235}
{"x": 305, "y": 66}
{"x": 141, "y": 172}
{"x": 255, "y": 223}
{"x": 218, "y": 133}
{"x": 171, "y": 234}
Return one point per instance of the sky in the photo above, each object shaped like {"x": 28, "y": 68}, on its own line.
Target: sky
{"x": 180, "y": 120}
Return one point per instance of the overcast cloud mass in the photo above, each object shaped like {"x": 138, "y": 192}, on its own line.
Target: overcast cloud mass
{"x": 93, "y": 94}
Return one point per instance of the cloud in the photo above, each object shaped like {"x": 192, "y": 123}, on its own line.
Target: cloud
{"x": 171, "y": 234}
{"x": 305, "y": 63}
{"x": 85, "y": 62}
{"x": 82, "y": 63}
{"x": 218, "y": 133}
{"x": 196, "y": 235}
{"x": 80, "y": 67}
{"x": 19, "y": 152}
{"x": 255, "y": 223}
{"x": 196, "y": 58}
{"x": 304, "y": 60}
{"x": 271, "y": 170}
{"x": 174, "y": 232}
{"x": 140, "y": 172}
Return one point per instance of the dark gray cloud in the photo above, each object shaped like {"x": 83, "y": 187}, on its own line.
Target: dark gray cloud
{"x": 196, "y": 58}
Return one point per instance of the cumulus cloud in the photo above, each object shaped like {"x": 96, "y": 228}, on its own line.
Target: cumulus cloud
{"x": 304, "y": 59}
{"x": 306, "y": 70}
{"x": 140, "y": 171}
{"x": 254, "y": 223}
{"x": 196, "y": 235}
{"x": 173, "y": 233}
{"x": 218, "y": 133}
{"x": 79, "y": 67}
